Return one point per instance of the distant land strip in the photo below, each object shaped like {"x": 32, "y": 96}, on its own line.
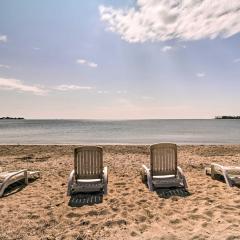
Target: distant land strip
{"x": 227, "y": 117}
{"x": 10, "y": 118}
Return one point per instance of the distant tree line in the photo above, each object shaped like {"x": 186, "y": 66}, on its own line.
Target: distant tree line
{"x": 7, "y": 118}
{"x": 227, "y": 117}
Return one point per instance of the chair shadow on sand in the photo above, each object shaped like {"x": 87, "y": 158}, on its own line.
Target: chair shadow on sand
{"x": 16, "y": 187}
{"x": 220, "y": 178}
{"x": 170, "y": 192}
{"x": 82, "y": 199}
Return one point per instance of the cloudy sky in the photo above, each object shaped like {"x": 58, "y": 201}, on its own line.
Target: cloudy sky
{"x": 119, "y": 59}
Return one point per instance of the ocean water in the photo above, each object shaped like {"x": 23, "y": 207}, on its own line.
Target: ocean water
{"x": 119, "y": 132}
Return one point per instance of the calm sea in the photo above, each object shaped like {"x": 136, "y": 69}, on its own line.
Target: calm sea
{"x": 119, "y": 132}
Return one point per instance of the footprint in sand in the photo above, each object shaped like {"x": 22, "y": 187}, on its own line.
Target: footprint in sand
{"x": 204, "y": 225}
{"x": 209, "y": 213}
{"x": 142, "y": 227}
{"x": 199, "y": 237}
{"x": 73, "y": 215}
{"x": 140, "y": 218}
{"x": 104, "y": 212}
{"x": 233, "y": 237}
{"x": 134, "y": 234}
{"x": 112, "y": 223}
{"x": 120, "y": 184}
{"x": 93, "y": 213}
{"x": 175, "y": 221}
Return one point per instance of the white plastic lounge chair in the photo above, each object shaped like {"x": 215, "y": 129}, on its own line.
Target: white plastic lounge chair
{"x": 164, "y": 171}
{"x": 88, "y": 174}
{"x": 230, "y": 174}
{"x": 10, "y": 177}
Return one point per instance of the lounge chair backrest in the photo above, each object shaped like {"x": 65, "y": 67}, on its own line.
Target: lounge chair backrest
{"x": 88, "y": 162}
{"x": 163, "y": 159}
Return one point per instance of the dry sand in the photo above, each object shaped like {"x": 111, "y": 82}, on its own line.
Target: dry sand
{"x": 42, "y": 210}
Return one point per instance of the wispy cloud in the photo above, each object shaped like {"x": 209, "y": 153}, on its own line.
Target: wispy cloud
{"x": 87, "y": 63}
{"x": 65, "y": 87}
{"x": 102, "y": 92}
{"x": 237, "y": 60}
{"x": 167, "y": 48}
{"x": 15, "y": 84}
{"x": 153, "y": 20}
{"x": 121, "y": 92}
{"x": 36, "y": 48}
{"x": 4, "y": 66}
{"x": 18, "y": 85}
{"x": 3, "y": 38}
{"x": 147, "y": 98}
{"x": 200, "y": 75}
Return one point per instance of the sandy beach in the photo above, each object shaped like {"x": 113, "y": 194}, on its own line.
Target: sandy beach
{"x": 41, "y": 210}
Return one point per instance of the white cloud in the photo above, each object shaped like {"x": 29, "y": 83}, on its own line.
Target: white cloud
{"x": 121, "y": 92}
{"x": 86, "y": 63}
{"x": 167, "y": 48}
{"x": 102, "y": 92}
{"x": 4, "y": 66}
{"x": 201, "y": 75}
{"x": 3, "y": 38}
{"x": 155, "y": 20}
{"x": 237, "y": 60}
{"x": 15, "y": 84}
{"x": 65, "y": 87}
{"x": 147, "y": 98}
{"x": 18, "y": 85}
{"x": 36, "y": 48}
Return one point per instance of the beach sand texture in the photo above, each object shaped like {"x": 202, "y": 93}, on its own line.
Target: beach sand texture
{"x": 42, "y": 210}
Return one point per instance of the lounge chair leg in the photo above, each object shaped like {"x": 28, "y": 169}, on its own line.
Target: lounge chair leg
{"x": 149, "y": 183}
{"x": 26, "y": 177}
{"x": 149, "y": 177}
{"x": 227, "y": 179}
{"x": 224, "y": 172}
{"x": 185, "y": 183}
{"x": 212, "y": 172}
{"x": 181, "y": 176}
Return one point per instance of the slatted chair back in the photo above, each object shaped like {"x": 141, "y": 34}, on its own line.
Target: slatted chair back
{"x": 163, "y": 159}
{"x": 88, "y": 162}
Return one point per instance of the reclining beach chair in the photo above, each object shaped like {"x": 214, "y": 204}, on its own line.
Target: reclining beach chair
{"x": 10, "y": 177}
{"x": 230, "y": 174}
{"x": 88, "y": 174}
{"x": 163, "y": 171}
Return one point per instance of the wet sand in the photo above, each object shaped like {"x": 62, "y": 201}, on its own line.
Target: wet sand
{"x": 41, "y": 210}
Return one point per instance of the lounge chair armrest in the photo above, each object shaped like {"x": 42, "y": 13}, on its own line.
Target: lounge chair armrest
{"x": 180, "y": 172}
{"x": 149, "y": 177}
{"x": 105, "y": 174}
{"x": 105, "y": 179}
{"x": 217, "y": 165}
{"x": 17, "y": 173}
{"x": 70, "y": 182}
{"x": 181, "y": 175}
{"x": 146, "y": 169}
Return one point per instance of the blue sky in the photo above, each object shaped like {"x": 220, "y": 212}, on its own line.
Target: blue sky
{"x": 119, "y": 59}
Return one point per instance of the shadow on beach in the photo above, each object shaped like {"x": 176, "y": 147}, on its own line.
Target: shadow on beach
{"x": 82, "y": 199}
{"x": 170, "y": 192}
{"x": 16, "y": 187}
{"x": 220, "y": 178}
